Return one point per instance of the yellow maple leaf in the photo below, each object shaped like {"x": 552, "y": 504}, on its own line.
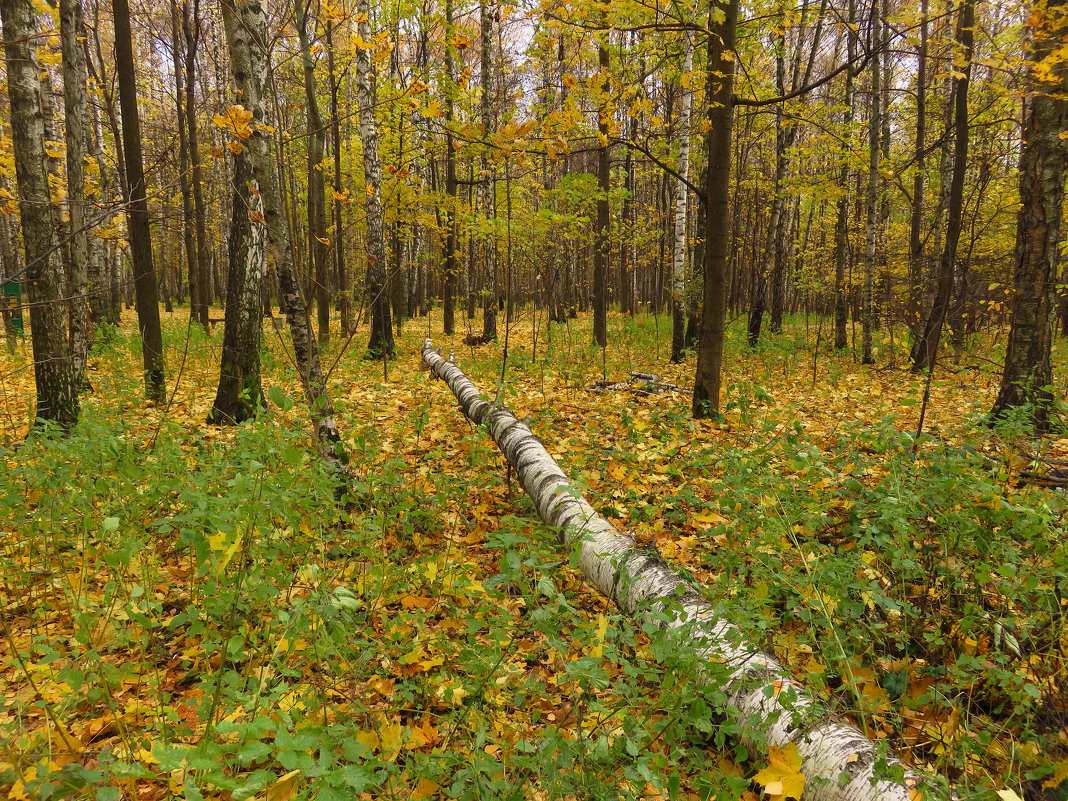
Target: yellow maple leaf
{"x": 224, "y": 545}
{"x": 782, "y": 778}
{"x": 390, "y": 739}
{"x": 425, "y": 789}
{"x": 285, "y": 788}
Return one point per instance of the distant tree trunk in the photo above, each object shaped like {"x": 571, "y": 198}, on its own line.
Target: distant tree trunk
{"x": 722, "y": 21}
{"x": 927, "y": 347}
{"x": 487, "y": 14}
{"x": 1027, "y": 378}
{"x": 381, "y": 344}
{"x": 76, "y": 109}
{"x": 316, "y": 133}
{"x": 601, "y": 246}
{"x": 54, "y": 373}
{"x": 681, "y": 248}
{"x": 145, "y": 287}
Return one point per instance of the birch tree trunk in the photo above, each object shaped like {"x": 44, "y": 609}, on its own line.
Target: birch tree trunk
{"x": 56, "y": 381}
{"x": 381, "y": 344}
{"x": 682, "y": 197}
{"x": 841, "y": 227}
{"x": 240, "y": 392}
{"x": 838, "y": 761}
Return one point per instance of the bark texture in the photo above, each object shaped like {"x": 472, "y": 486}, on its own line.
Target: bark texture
{"x": 723, "y": 21}
{"x": 55, "y": 377}
{"x": 839, "y": 762}
{"x": 240, "y": 392}
{"x": 1027, "y": 378}
{"x": 77, "y": 135}
{"x": 381, "y": 344}
{"x": 681, "y": 245}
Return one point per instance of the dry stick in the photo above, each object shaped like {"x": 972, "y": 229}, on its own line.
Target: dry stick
{"x": 762, "y": 699}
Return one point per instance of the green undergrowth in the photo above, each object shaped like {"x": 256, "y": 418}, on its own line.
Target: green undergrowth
{"x": 196, "y": 615}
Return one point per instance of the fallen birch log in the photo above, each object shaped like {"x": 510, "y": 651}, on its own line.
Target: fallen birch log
{"x": 839, "y": 762}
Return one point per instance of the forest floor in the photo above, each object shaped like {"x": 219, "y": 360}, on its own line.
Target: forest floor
{"x": 187, "y": 612}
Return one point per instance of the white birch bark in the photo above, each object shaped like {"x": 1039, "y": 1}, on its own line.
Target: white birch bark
{"x": 682, "y": 197}
{"x": 839, "y": 762}
{"x": 381, "y": 344}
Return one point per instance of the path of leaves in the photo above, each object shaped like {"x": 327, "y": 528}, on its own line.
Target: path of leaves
{"x": 187, "y": 612}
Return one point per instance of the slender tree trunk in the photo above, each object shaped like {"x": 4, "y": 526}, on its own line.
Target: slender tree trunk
{"x": 318, "y": 243}
{"x": 76, "y": 108}
{"x": 841, "y": 228}
{"x": 381, "y": 344}
{"x": 487, "y": 16}
{"x": 722, "y": 22}
{"x": 927, "y": 347}
{"x": 448, "y": 282}
{"x": 145, "y": 286}
{"x": 916, "y": 260}
{"x": 681, "y": 249}
{"x": 191, "y": 30}
{"x": 341, "y": 272}
{"x": 184, "y": 172}
{"x": 55, "y": 377}
{"x": 874, "y": 191}
{"x": 1028, "y": 378}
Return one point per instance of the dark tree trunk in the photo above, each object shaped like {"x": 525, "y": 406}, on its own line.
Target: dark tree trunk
{"x": 144, "y": 273}
{"x": 720, "y": 111}
{"x": 601, "y": 233}
{"x": 184, "y": 172}
{"x": 916, "y": 260}
{"x": 927, "y": 346}
{"x": 318, "y": 244}
{"x": 191, "y": 30}
{"x": 448, "y": 282}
